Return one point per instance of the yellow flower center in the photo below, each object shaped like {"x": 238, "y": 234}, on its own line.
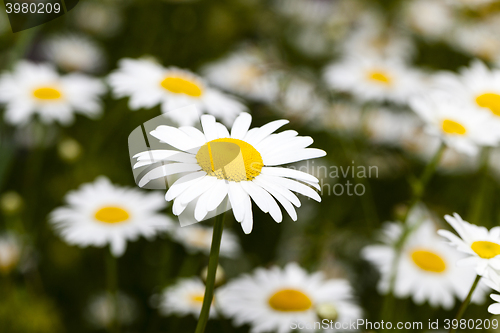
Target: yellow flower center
{"x": 380, "y": 77}
{"x": 197, "y": 298}
{"x": 428, "y": 261}
{"x": 230, "y": 159}
{"x": 290, "y": 300}
{"x": 490, "y": 101}
{"x": 452, "y": 127}
{"x": 178, "y": 85}
{"x": 47, "y": 93}
{"x": 112, "y": 215}
{"x": 485, "y": 249}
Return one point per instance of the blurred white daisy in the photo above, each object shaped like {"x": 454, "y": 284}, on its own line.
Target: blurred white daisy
{"x": 275, "y": 299}
{"x": 101, "y": 213}
{"x": 101, "y": 312}
{"x": 426, "y": 269}
{"x": 198, "y": 238}
{"x": 184, "y": 298}
{"x": 460, "y": 128}
{"x": 98, "y": 17}
{"x": 473, "y": 4}
{"x": 246, "y": 73}
{"x": 477, "y": 86}
{"x": 374, "y": 79}
{"x": 429, "y": 18}
{"x": 72, "y": 52}
{"x": 307, "y": 11}
{"x": 148, "y": 84}
{"x": 241, "y": 165}
{"x": 480, "y": 244}
{"x": 479, "y": 39}
{"x": 37, "y": 89}
{"x": 10, "y": 252}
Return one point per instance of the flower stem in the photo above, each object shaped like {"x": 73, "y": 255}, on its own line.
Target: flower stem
{"x": 465, "y": 303}
{"x": 213, "y": 261}
{"x": 418, "y": 190}
{"x": 112, "y": 285}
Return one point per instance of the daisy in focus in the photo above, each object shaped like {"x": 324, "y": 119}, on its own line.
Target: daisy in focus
{"x": 184, "y": 298}
{"x": 242, "y": 165}
{"x": 37, "y": 89}
{"x": 374, "y": 79}
{"x": 456, "y": 125}
{"x": 245, "y": 73}
{"x": 101, "y": 213}
{"x": 198, "y": 238}
{"x": 148, "y": 84}
{"x": 481, "y": 245}
{"x": 426, "y": 269}
{"x": 273, "y": 300}
{"x": 72, "y": 52}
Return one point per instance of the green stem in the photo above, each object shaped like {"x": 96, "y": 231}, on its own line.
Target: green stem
{"x": 112, "y": 285}
{"x": 479, "y": 199}
{"x": 418, "y": 190}
{"x": 213, "y": 261}
{"x": 465, "y": 303}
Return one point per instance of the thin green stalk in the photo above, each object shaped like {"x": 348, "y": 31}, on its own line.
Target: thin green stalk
{"x": 213, "y": 261}
{"x": 112, "y": 285}
{"x": 465, "y": 303}
{"x": 418, "y": 190}
{"x": 478, "y": 202}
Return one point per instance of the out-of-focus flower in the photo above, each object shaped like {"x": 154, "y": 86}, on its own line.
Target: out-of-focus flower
{"x": 277, "y": 299}
{"x": 374, "y": 79}
{"x": 69, "y": 149}
{"x": 72, "y": 52}
{"x": 246, "y": 73}
{"x": 426, "y": 268}
{"x": 220, "y": 275}
{"x": 97, "y": 17}
{"x": 477, "y": 88}
{"x": 36, "y": 89}
{"x": 251, "y": 174}
{"x": 184, "y": 298}
{"x": 101, "y": 213}
{"x": 149, "y": 84}
{"x": 101, "y": 312}
{"x": 473, "y": 4}
{"x": 480, "y": 244}
{"x": 307, "y": 11}
{"x": 478, "y": 39}
{"x": 429, "y": 18}
{"x": 198, "y": 238}
{"x": 10, "y": 252}
{"x": 11, "y": 202}
{"x": 460, "y": 128}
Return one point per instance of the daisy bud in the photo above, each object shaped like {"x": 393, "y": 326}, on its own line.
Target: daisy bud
{"x": 11, "y": 202}
{"x": 327, "y": 311}
{"x": 220, "y": 275}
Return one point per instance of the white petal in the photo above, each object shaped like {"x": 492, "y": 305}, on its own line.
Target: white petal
{"x": 241, "y": 126}
{"x": 209, "y": 127}
{"x": 293, "y": 156}
{"x": 176, "y": 138}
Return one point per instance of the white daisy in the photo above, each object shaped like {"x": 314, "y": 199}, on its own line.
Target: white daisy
{"x": 72, "y": 52}
{"x": 184, "y": 298}
{"x": 480, "y": 244}
{"x": 101, "y": 213}
{"x": 246, "y": 73}
{"x": 432, "y": 19}
{"x": 460, "y": 128}
{"x": 479, "y": 39}
{"x": 149, "y": 84}
{"x": 274, "y": 300}
{"x": 36, "y": 89}
{"x": 240, "y": 165}
{"x": 98, "y": 17}
{"x": 426, "y": 269}
{"x": 198, "y": 238}
{"x": 10, "y": 252}
{"x": 477, "y": 86}
{"x": 101, "y": 311}
{"x": 374, "y": 79}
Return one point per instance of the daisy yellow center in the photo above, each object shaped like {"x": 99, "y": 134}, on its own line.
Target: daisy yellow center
{"x": 47, "y": 93}
{"x": 290, "y": 300}
{"x": 428, "y": 261}
{"x": 112, "y": 215}
{"x": 178, "y": 85}
{"x": 453, "y": 127}
{"x": 380, "y": 77}
{"x": 197, "y": 298}
{"x": 230, "y": 159}
{"x": 485, "y": 249}
{"x": 490, "y": 101}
